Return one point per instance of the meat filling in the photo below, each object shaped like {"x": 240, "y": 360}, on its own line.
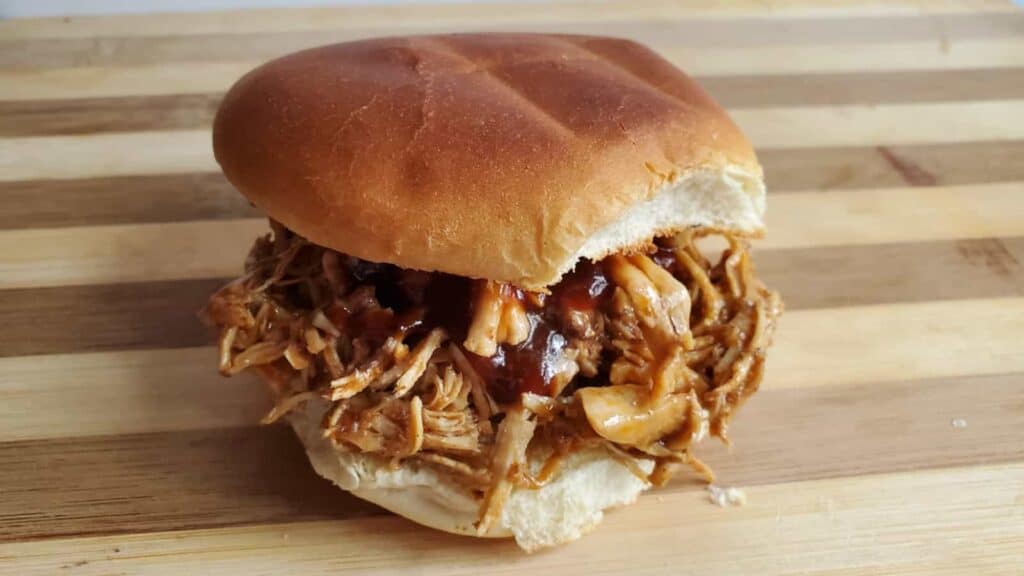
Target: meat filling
{"x": 642, "y": 354}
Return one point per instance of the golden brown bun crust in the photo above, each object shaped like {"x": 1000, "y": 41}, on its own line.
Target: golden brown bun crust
{"x": 491, "y": 155}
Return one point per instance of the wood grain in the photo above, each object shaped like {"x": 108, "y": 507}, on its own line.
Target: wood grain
{"x": 393, "y": 17}
{"x": 863, "y": 525}
{"x": 252, "y": 475}
{"x": 178, "y": 251}
{"x": 935, "y": 54}
{"x": 114, "y": 154}
{"x": 884, "y": 124}
{"x": 899, "y": 341}
{"x": 151, "y": 315}
{"x": 893, "y": 342}
{"x": 206, "y": 77}
{"x": 28, "y": 84}
{"x": 173, "y": 480}
{"x": 841, "y": 276}
{"x": 185, "y": 151}
{"x": 796, "y": 90}
{"x": 187, "y": 111}
{"x": 848, "y": 168}
{"x": 91, "y": 115}
{"x": 127, "y": 253}
{"x": 661, "y": 34}
{"x": 208, "y": 196}
{"x": 105, "y": 317}
{"x": 885, "y": 440}
{"x": 879, "y": 216}
{"x": 46, "y": 203}
{"x": 123, "y": 392}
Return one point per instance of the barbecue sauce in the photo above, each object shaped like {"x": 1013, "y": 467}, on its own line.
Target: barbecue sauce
{"x": 585, "y": 288}
{"x": 526, "y": 367}
{"x": 446, "y": 301}
{"x": 531, "y": 365}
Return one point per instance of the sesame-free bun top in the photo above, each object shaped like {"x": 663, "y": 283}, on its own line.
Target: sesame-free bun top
{"x": 499, "y": 156}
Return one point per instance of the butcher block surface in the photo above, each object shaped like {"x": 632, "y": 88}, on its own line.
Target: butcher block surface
{"x": 888, "y": 437}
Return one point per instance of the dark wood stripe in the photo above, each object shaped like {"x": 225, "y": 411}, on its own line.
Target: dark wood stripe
{"x": 181, "y": 480}
{"x": 946, "y": 29}
{"x": 865, "y": 88}
{"x": 847, "y": 168}
{"x": 92, "y": 115}
{"x": 108, "y": 317}
{"x": 828, "y": 432}
{"x": 71, "y": 319}
{"x": 120, "y": 200}
{"x": 180, "y": 112}
{"x": 911, "y": 172}
{"x": 165, "y": 481}
{"x": 832, "y": 277}
{"x": 208, "y": 196}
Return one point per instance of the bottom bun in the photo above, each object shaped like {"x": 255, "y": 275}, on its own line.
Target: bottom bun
{"x": 571, "y": 504}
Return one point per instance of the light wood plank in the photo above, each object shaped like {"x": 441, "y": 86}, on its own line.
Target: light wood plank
{"x": 152, "y": 315}
{"x": 221, "y": 477}
{"x": 930, "y": 123}
{"x": 208, "y": 196}
{"x": 663, "y": 34}
{"x": 185, "y": 151}
{"x": 205, "y": 77}
{"x": 108, "y": 393}
{"x": 905, "y": 305}
{"x": 864, "y": 88}
{"x": 866, "y": 217}
{"x": 188, "y": 111}
{"x": 467, "y": 15}
{"x": 838, "y": 276}
{"x": 106, "y": 155}
{"x": 949, "y": 521}
{"x": 177, "y": 251}
{"x": 813, "y": 349}
{"x": 889, "y": 342}
{"x": 128, "y": 253}
{"x": 840, "y": 57}
{"x": 100, "y": 82}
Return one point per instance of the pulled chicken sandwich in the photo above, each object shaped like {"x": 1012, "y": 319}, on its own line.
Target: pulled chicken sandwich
{"x": 488, "y": 300}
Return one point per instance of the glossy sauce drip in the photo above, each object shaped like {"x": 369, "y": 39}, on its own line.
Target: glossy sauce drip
{"x": 531, "y": 365}
{"x": 585, "y": 288}
{"x": 400, "y": 308}
{"x": 447, "y": 301}
{"x": 665, "y": 256}
{"x": 527, "y": 367}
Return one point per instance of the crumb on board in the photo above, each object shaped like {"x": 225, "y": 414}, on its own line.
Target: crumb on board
{"x": 958, "y": 423}
{"x": 726, "y": 496}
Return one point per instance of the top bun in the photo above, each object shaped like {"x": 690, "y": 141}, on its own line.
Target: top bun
{"x": 499, "y": 156}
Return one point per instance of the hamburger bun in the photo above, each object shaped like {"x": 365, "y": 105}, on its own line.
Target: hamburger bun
{"x": 500, "y": 156}
{"x": 561, "y": 511}
{"x": 507, "y": 157}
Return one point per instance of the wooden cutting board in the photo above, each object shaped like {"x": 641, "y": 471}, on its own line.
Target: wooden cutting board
{"x": 888, "y": 438}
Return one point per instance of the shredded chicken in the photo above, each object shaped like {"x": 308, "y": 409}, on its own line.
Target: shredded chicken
{"x": 663, "y": 359}
{"x": 628, "y": 415}
{"x": 498, "y": 319}
{"x": 509, "y": 459}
